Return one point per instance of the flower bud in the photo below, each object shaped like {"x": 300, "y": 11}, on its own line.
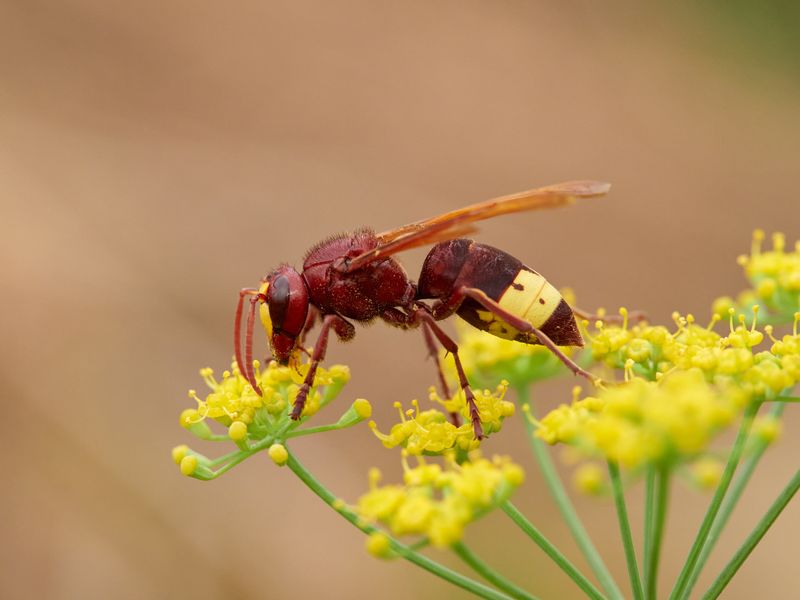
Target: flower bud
{"x": 378, "y": 544}
{"x": 278, "y": 454}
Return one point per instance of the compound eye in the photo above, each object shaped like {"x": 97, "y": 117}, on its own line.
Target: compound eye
{"x": 278, "y": 296}
{"x": 287, "y": 299}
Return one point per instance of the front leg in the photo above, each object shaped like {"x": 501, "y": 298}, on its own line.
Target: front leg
{"x": 345, "y": 332}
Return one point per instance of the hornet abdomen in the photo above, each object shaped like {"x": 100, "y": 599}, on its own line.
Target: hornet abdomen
{"x": 517, "y": 288}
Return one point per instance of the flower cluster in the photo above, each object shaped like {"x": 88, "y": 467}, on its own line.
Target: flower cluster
{"x": 233, "y": 400}
{"x": 643, "y": 422}
{"x": 649, "y": 352}
{"x": 434, "y": 432}
{"x": 774, "y": 277}
{"x": 683, "y": 385}
{"x": 438, "y": 502}
{"x": 254, "y": 422}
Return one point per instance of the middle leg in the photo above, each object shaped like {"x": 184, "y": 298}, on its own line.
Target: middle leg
{"x": 425, "y": 318}
{"x": 412, "y": 320}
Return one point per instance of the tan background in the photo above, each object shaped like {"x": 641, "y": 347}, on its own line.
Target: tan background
{"x": 157, "y": 156}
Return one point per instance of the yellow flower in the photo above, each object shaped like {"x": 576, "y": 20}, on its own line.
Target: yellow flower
{"x": 433, "y": 432}
{"x": 650, "y": 352}
{"x": 778, "y": 268}
{"x": 259, "y": 423}
{"x": 492, "y": 406}
{"x": 589, "y": 479}
{"x": 706, "y": 472}
{"x": 774, "y": 276}
{"x": 188, "y": 464}
{"x": 278, "y": 454}
{"x": 378, "y": 545}
{"x": 641, "y": 422}
{"x": 232, "y": 401}
{"x": 767, "y": 429}
{"x": 439, "y": 502}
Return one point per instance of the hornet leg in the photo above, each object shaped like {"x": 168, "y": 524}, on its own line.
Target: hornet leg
{"x": 345, "y": 331}
{"x": 455, "y": 418}
{"x": 246, "y": 365}
{"x": 422, "y": 316}
{"x": 481, "y": 298}
{"x": 398, "y": 318}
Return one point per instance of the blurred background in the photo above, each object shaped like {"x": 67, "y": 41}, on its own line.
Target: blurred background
{"x": 155, "y": 157}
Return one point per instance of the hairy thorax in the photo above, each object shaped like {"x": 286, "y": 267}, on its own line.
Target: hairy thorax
{"x": 363, "y": 294}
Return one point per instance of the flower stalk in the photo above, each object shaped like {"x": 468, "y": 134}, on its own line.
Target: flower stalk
{"x": 680, "y": 589}
{"x": 489, "y": 574}
{"x": 563, "y": 502}
{"x": 625, "y": 531}
{"x": 752, "y": 540}
{"x": 396, "y": 546}
{"x": 732, "y": 498}
{"x": 659, "y": 515}
{"x": 540, "y": 540}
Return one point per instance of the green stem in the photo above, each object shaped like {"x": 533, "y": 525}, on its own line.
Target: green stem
{"x": 649, "y": 511}
{"x": 489, "y": 574}
{"x": 551, "y": 550}
{"x": 625, "y": 531}
{"x": 223, "y": 459}
{"x": 752, "y": 540}
{"x": 564, "y": 504}
{"x": 399, "y": 548}
{"x": 786, "y": 399}
{"x": 659, "y": 516}
{"x": 318, "y": 429}
{"x": 732, "y": 498}
{"x": 679, "y": 590}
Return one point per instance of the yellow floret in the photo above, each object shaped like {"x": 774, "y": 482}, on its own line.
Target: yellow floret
{"x": 378, "y": 544}
{"x": 278, "y": 454}
{"x": 188, "y": 464}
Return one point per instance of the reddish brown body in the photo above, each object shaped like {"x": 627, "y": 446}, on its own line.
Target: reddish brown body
{"x": 353, "y": 277}
{"x": 361, "y": 295}
{"x": 461, "y": 263}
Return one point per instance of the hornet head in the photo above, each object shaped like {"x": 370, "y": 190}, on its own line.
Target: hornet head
{"x": 285, "y": 311}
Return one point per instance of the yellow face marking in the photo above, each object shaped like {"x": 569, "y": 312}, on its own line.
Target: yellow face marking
{"x": 263, "y": 312}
